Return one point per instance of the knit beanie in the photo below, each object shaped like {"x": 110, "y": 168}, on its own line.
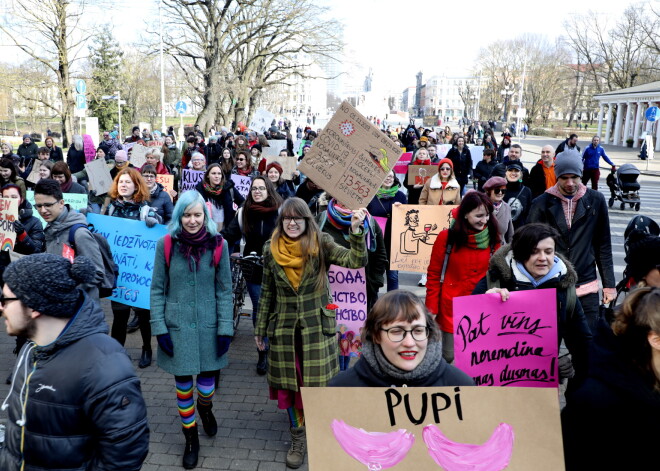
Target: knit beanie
{"x": 121, "y": 156}
{"x": 568, "y": 162}
{"x": 26, "y": 136}
{"x": 446, "y": 161}
{"x": 494, "y": 182}
{"x": 276, "y": 166}
{"x": 47, "y": 283}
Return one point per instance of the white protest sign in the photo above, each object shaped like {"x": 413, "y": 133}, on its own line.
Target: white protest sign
{"x": 190, "y": 179}
{"x": 138, "y": 155}
{"x": 99, "y": 176}
{"x": 242, "y": 184}
{"x": 261, "y": 120}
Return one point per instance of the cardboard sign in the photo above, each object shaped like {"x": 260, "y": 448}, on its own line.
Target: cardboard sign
{"x": 382, "y": 222}
{"x": 350, "y": 158}
{"x": 8, "y": 214}
{"x": 414, "y": 230}
{"x": 420, "y": 174}
{"x": 349, "y": 291}
{"x": 242, "y": 184}
{"x": 34, "y": 173}
{"x": 167, "y": 181}
{"x": 261, "y": 120}
{"x": 190, "y": 179}
{"x": 441, "y": 428}
{"x": 133, "y": 247}
{"x": 401, "y": 166}
{"x": 512, "y": 343}
{"x": 99, "y": 176}
{"x": 289, "y": 165}
{"x": 137, "y": 157}
{"x": 75, "y": 201}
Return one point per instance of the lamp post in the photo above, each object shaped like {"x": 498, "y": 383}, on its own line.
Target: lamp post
{"x": 506, "y": 93}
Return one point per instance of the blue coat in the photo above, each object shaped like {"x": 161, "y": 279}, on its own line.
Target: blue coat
{"x": 591, "y": 157}
{"x": 193, "y": 307}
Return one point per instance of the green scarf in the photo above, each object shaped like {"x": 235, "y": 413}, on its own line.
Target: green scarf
{"x": 479, "y": 240}
{"x": 387, "y": 192}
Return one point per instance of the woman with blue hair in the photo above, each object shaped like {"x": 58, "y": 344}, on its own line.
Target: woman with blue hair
{"x": 191, "y": 312}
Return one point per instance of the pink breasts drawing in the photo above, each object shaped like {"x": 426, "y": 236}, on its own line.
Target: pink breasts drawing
{"x": 376, "y": 450}
{"x": 493, "y": 455}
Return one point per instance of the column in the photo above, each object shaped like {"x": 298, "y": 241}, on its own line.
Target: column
{"x": 638, "y": 122}
{"x": 617, "y": 124}
{"x": 608, "y": 125}
{"x": 600, "y": 120}
{"x": 627, "y": 132}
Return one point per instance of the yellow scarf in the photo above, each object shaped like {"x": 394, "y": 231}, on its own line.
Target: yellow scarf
{"x": 288, "y": 254}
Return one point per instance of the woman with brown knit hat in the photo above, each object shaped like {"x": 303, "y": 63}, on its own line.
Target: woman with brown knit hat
{"x": 285, "y": 188}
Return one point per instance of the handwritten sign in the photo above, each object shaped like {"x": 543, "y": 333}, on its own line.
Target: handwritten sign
{"x": 167, "y": 181}
{"x": 289, "y": 165}
{"x": 414, "y": 230}
{"x": 349, "y": 291}
{"x": 99, "y": 176}
{"x": 133, "y": 247}
{"x": 138, "y": 154}
{"x": 350, "y": 158}
{"x": 155, "y": 143}
{"x": 420, "y": 174}
{"x": 449, "y": 428}
{"x": 512, "y": 343}
{"x": 261, "y": 120}
{"x": 242, "y": 184}
{"x": 8, "y": 215}
{"x": 190, "y": 179}
{"x": 75, "y": 201}
{"x": 401, "y": 166}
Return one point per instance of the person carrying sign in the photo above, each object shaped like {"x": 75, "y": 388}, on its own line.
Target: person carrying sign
{"x": 295, "y": 310}
{"x": 530, "y": 262}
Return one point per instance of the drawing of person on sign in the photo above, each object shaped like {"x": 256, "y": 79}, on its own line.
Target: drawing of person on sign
{"x": 411, "y": 238}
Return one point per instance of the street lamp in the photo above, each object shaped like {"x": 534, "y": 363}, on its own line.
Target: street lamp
{"x": 116, "y": 96}
{"x": 506, "y": 93}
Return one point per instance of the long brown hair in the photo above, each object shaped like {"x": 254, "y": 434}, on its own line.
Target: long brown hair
{"x": 310, "y": 240}
{"x": 227, "y": 164}
{"x": 273, "y": 199}
{"x": 141, "y": 189}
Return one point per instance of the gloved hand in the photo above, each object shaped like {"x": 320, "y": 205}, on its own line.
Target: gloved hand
{"x": 165, "y": 344}
{"x": 92, "y": 192}
{"x": 566, "y": 370}
{"x": 151, "y": 221}
{"x": 613, "y": 168}
{"x": 223, "y": 342}
{"x": 18, "y": 227}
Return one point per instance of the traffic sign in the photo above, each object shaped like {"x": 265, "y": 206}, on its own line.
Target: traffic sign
{"x": 81, "y": 101}
{"x": 181, "y": 107}
{"x": 81, "y": 86}
{"x": 521, "y": 113}
{"x": 652, "y": 113}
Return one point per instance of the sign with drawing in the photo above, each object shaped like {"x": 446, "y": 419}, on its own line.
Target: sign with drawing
{"x": 420, "y": 174}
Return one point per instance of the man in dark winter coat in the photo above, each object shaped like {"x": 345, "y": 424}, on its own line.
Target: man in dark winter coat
{"x": 27, "y": 149}
{"x": 75, "y": 401}
{"x": 109, "y": 145}
{"x": 581, "y": 216}
{"x": 543, "y": 175}
{"x": 569, "y": 143}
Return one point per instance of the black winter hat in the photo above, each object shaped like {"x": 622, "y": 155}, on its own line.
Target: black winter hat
{"x": 47, "y": 283}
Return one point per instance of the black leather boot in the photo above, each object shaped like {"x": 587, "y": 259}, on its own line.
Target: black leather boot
{"x": 145, "y": 359}
{"x": 262, "y": 363}
{"x": 191, "y": 452}
{"x": 208, "y": 419}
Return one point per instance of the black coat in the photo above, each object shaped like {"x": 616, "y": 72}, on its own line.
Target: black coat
{"x": 33, "y": 240}
{"x": 562, "y": 147}
{"x": 537, "y": 179}
{"x": 56, "y": 154}
{"x": 83, "y": 405}
{"x": 482, "y": 172}
{"x": 286, "y": 189}
{"x": 519, "y": 197}
{"x": 75, "y": 159}
{"x": 616, "y": 405}
{"x": 462, "y": 164}
{"x": 382, "y": 207}
{"x": 587, "y": 243}
{"x": 161, "y": 201}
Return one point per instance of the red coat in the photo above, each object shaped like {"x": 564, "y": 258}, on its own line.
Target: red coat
{"x": 465, "y": 268}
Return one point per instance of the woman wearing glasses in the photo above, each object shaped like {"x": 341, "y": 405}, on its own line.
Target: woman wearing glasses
{"x": 255, "y": 222}
{"x": 495, "y": 188}
{"x": 244, "y": 165}
{"x": 441, "y": 188}
{"x": 401, "y": 347}
{"x": 295, "y": 310}
{"x": 221, "y": 197}
{"x": 161, "y": 201}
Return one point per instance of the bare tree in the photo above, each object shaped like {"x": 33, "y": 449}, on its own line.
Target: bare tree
{"x": 54, "y": 40}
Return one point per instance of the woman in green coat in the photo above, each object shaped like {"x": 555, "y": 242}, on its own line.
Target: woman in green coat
{"x": 191, "y": 312}
{"x": 295, "y": 310}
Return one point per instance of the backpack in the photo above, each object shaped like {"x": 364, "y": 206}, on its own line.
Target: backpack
{"x": 167, "y": 248}
{"x": 110, "y": 268}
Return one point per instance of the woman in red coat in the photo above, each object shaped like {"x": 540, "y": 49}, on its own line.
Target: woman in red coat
{"x": 470, "y": 241}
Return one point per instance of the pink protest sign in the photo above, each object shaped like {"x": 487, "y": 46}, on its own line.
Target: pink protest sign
{"x": 349, "y": 292}
{"x": 512, "y": 343}
{"x": 402, "y": 165}
{"x": 382, "y": 222}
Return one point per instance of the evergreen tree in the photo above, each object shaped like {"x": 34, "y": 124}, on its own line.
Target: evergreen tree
{"x": 106, "y": 60}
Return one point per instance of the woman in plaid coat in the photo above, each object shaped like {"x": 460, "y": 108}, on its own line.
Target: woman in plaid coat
{"x": 294, "y": 309}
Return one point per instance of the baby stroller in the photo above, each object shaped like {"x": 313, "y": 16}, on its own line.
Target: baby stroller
{"x": 624, "y": 186}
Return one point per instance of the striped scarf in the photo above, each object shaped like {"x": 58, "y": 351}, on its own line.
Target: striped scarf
{"x": 340, "y": 218}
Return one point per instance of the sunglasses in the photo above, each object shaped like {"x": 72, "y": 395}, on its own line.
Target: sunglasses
{"x": 499, "y": 191}
{"x": 445, "y": 169}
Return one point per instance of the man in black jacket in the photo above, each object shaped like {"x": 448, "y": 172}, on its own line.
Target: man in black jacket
{"x": 570, "y": 143}
{"x": 585, "y": 235}
{"x": 75, "y": 401}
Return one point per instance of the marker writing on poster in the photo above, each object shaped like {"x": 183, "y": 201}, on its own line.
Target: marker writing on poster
{"x": 439, "y": 402}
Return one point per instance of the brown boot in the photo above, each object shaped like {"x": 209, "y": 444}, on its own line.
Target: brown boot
{"x": 296, "y": 454}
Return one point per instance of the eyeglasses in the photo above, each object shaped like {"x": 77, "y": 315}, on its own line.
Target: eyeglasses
{"x": 258, "y": 188}
{"x": 148, "y": 176}
{"x": 45, "y": 205}
{"x": 240, "y": 160}
{"x": 445, "y": 169}
{"x": 289, "y": 220}
{"x": 499, "y": 191}
{"x": 4, "y": 300}
{"x": 397, "y": 334}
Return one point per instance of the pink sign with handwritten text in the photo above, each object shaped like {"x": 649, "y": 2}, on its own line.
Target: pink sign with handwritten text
{"x": 511, "y": 343}
{"x": 348, "y": 287}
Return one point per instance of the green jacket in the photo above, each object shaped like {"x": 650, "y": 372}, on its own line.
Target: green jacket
{"x": 193, "y": 307}
{"x": 283, "y": 312}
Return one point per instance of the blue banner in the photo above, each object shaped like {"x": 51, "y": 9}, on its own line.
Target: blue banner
{"x": 133, "y": 247}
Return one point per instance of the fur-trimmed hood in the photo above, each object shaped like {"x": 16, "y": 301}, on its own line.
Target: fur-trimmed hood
{"x": 502, "y": 267}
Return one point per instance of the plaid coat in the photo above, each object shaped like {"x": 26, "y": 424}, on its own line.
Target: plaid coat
{"x": 283, "y": 311}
